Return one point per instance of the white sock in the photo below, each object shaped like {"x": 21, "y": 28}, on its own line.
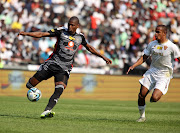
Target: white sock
{"x": 142, "y": 110}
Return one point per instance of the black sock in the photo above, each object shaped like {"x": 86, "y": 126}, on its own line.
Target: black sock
{"x": 29, "y": 85}
{"x": 54, "y": 98}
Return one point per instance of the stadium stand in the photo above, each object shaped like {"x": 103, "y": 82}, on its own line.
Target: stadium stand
{"x": 120, "y": 29}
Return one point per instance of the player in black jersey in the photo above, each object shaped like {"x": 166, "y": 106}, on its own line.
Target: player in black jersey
{"x": 59, "y": 64}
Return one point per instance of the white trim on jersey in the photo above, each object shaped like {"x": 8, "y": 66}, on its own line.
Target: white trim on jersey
{"x": 61, "y": 28}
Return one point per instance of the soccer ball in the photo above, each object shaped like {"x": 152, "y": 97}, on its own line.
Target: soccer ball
{"x": 34, "y": 94}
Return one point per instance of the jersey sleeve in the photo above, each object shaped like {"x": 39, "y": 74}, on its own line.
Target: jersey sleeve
{"x": 83, "y": 40}
{"x": 176, "y": 51}
{"x": 54, "y": 32}
{"x": 147, "y": 50}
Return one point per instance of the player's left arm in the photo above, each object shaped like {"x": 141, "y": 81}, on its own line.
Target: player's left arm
{"x": 176, "y": 52}
{"x": 95, "y": 52}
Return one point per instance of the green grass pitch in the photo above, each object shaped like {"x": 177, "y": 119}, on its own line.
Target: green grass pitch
{"x": 18, "y": 115}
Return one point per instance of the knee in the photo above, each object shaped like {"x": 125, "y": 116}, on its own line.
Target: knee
{"x": 60, "y": 84}
{"x": 156, "y": 95}
{"x": 32, "y": 82}
{"x": 154, "y": 98}
{"x": 59, "y": 89}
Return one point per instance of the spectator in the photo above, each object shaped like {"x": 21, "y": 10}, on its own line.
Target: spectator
{"x": 44, "y": 56}
{"x": 114, "y": 23}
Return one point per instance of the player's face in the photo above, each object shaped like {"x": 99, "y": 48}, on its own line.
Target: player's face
{"x": 159, "y": 33}
{"x": 72, "y": 26}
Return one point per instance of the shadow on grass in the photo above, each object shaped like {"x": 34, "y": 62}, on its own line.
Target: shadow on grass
{"x": 19, "y": 116}
{"x": 85, "y": 119}
{"x": 73, "y": 118}
{"x": 111, "y": 120}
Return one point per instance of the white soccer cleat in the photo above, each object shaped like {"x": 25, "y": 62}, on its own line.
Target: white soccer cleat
{"x": 47, "y": 113}
{"x": 141, "y": 119}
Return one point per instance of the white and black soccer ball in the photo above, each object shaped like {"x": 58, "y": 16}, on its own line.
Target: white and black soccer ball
{"x": 34, "y": 94}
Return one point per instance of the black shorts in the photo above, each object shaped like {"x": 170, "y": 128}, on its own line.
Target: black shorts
{"x": 47, "y": 70}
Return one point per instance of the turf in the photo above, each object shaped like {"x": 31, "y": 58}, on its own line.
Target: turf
{"x": 18, "y": 115}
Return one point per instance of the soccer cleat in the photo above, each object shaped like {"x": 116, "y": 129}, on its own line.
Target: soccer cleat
{"x": 47, "y": 114}
{"x": 141, "y": 119}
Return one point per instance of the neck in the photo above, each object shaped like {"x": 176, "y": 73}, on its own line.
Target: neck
{"x": 163, "y": 40}
{"x": 72, "y": 33}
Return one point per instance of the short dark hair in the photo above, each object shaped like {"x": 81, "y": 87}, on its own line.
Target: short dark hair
{"x": 74, "y": 18}
{"x": 164, "y": 28}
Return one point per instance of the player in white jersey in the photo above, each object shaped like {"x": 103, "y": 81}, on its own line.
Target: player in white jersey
{"x": 157, "y": 78}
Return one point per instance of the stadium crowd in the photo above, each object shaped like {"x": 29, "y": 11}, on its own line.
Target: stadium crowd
{"x": 119, "y": 29}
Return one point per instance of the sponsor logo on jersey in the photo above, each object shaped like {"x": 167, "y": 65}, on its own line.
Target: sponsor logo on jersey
{"x": 71, "y": 38}
{"x": 159, "y": 47}
{"x": 71, "y": 45}
{"x": 157, "y": 53}
{"x": 52, "y": 30}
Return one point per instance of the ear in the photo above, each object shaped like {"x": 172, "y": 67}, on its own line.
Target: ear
{"x": 78, "y": 26}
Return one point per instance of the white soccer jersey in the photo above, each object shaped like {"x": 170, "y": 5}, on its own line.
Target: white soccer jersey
{"x": 163, "y": 56}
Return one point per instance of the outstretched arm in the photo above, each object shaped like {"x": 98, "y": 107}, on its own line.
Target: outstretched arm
{"x": 34, "y": 34}
{"x": 95, "y": 52}
{"x": 141, "y": 60}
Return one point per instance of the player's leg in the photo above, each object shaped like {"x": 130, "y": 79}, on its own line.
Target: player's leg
{"x": 146, "y": 86}
{"x": 141, "y": 103}
{"x": 60, "y": 84}
{"x": 39, "y": 76}
{"x": 59, "y": 88}
{"x": 161, "y": 88}
{"x": 156, "y": 95}
{"x": 32, "y": 82}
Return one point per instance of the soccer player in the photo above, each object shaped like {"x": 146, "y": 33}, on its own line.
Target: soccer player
{"x": 157, "y": 78}
{"x": 59, "y": 63}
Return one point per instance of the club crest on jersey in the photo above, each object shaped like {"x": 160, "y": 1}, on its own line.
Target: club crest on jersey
{"x": 165, "y": 47}
{"x": 71, "y": 38}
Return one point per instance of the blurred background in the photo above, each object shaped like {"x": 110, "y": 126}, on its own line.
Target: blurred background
{"x": 119, "y": 29}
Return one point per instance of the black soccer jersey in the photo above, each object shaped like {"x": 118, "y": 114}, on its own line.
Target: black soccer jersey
{"x": 65, "y": 47}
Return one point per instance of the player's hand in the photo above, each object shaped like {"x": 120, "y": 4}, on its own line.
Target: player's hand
{"x": 130, "y": 68}
{"x": 21, "y": 33}
{"x": 108, "y": 61}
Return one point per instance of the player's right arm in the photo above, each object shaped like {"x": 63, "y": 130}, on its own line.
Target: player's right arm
{"x": 141, "y": 60}
{"x": 51, "y": 33}
{"x": 34, "y": 34}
